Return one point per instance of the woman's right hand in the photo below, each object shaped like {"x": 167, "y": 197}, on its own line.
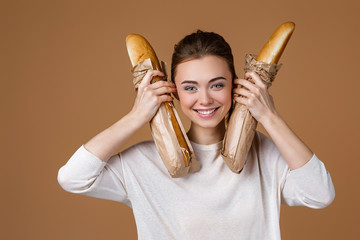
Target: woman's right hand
{"x": 151, "y": 95}
{"x": 148, "y": 99}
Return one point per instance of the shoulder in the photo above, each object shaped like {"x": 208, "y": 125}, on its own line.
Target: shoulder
{"x": 141, "y": 148}
{"x": 142, "y": 159}
{"x": 144, "y": 151}
{"x": 266, "y": 150}
{"x": 263, "y": 143}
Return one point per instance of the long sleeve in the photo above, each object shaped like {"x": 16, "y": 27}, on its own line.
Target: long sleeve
{"x": 310, "y": 186}
{"x": 86, "y": 174}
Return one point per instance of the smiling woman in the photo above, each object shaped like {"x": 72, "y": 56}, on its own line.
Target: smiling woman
{"x": 204, "y": 88}
{"x": 213, "y": 203}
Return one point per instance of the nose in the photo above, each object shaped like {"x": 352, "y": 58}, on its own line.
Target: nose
{"x": 205, "y": 98}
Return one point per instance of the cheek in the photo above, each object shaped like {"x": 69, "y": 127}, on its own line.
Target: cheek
{"x": 186, "y": 101}
{"x": 225, "y": 97}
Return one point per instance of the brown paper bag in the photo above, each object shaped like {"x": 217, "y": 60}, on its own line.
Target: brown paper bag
{"x": 163, "y": 132}
{"x": 242, "y": 125}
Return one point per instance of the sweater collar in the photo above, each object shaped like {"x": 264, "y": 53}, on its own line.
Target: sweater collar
{"x": 210, "y": 147}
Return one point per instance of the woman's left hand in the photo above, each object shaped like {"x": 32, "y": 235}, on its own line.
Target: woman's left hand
{"x": 255, "y": 96}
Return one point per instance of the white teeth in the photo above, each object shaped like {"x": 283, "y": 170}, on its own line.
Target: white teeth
{"x": 206, "y": 112}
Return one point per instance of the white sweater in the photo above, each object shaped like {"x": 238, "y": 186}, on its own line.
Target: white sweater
{"x": 213, "y": 203}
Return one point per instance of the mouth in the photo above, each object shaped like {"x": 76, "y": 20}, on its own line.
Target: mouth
{"x": 206, "y": 113}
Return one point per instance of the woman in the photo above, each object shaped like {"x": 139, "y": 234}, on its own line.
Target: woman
{"x": 213, "y": 203}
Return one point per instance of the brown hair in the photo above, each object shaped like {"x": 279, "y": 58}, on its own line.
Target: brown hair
{"x": 200, "y": 44}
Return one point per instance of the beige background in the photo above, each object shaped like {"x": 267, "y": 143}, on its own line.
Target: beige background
{"x": 65, "y": 76}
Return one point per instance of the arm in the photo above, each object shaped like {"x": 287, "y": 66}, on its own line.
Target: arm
{"x": 261, "y": 105}
{"x": 148, "y": 100}
{"x": 294, "y": 151}
{"x": 308, "y": 183}
{"x": 87, "y": 172}
{"x": 310, "y": 186}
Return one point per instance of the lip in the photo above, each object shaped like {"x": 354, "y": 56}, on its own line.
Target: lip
{"x": 212, "y": 112}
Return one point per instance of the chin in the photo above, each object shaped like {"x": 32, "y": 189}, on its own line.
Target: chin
{"x": 207, "y": 123}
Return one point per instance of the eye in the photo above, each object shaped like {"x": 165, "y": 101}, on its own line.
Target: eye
{"x": 190, "y": 89}
{"x": 217, "y": 86}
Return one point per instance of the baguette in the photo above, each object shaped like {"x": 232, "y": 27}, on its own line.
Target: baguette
{"x": 242, "y": 126}
{"x": 168, "y": 133}
{"x": 273, "y": 49}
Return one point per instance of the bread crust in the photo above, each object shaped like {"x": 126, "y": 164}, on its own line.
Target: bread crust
{"x": 273, "y": 49}
{"x": 139, "y": 49}
{"x": 242, "y": 125}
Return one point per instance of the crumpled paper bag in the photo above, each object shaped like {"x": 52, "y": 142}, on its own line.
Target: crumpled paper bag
{"x": 242, "y": 125}
{"x": 162, "y": 129}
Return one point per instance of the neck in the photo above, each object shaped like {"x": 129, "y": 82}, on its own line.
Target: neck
{"x": 206, "y": 136}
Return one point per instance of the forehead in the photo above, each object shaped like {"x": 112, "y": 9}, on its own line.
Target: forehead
{"x": 202, "y": 69}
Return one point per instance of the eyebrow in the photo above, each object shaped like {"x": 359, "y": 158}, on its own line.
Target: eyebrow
{"x": 195, "y": 82}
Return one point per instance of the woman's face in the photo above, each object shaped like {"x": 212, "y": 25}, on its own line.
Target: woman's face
{"x": 204, "y": 87}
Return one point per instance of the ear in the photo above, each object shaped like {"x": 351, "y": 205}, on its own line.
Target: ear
{"x": 175, "y": 94}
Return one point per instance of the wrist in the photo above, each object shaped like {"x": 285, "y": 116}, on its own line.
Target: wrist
{"x": 133, "y": 120}
{"x": 270, "y": 119}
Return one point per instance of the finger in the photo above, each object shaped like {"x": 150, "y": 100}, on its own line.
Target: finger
{"x": 164, "y": 90}
{"x": 254, "y": 85}
{"x": 160, "y": 84}
{"x": 237, "y": 82}
{"x": 149, "y": 76}
{"x": 241, "y": 100}
{"x": 246, "y": 84}
{"x": 249, "y": 102}
{"x": 165, "y": 98}
{"x": 243, "y": 92}
{"x": 256, "y": 79}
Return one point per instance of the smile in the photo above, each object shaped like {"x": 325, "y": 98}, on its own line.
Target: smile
{"x": 206, "y": 112}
